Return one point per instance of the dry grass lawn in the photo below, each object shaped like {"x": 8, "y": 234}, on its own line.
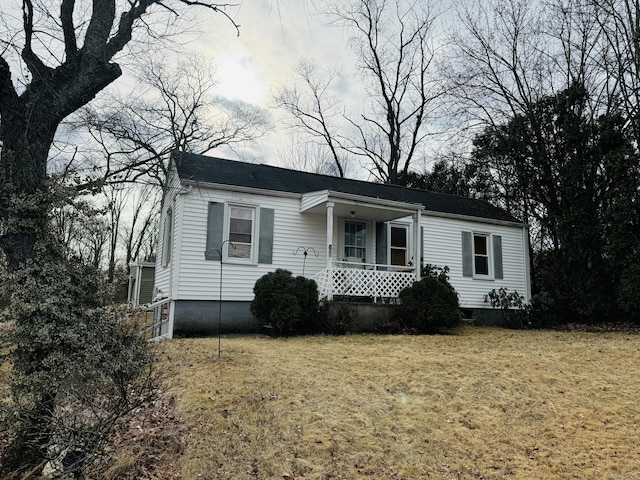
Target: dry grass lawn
{"x": 484, "y": 404}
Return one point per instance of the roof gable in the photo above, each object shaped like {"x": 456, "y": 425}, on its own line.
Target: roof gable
{"x": 206, "y": 169}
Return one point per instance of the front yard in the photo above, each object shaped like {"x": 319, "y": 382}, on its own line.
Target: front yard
{"x": 487, "y": 403}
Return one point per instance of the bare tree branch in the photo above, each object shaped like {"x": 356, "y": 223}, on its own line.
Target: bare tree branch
{"x": 392, "y": 44}
{"x": 177, "y": 111}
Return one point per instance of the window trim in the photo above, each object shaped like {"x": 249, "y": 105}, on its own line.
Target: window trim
{"x": 409, "y": 240}
{"x": 489, "y": 255}
{"x": 253, "y": 255}
{"x": 365, "y": 247}
{"x": 167, "y": 239}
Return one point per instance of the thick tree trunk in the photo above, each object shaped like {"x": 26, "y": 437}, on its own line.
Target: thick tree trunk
{"x": 24, "y": 200}
{"x": 28, "y": 124}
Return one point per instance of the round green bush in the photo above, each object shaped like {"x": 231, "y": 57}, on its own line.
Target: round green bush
{"x": 285, "y": 303}
{"x": 430, "y": 305}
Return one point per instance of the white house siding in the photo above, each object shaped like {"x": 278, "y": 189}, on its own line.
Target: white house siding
{"x": 163, "y": 273}
{"x": 199, "y": 278}
{"x": 443, "y": 246}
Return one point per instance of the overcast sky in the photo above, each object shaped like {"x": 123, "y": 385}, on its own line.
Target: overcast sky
{"x": 275, "y": 36}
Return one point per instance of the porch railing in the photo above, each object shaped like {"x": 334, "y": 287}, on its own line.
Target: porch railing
{"x": 355, "y": 279}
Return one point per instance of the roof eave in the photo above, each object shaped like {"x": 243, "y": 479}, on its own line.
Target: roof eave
{"x": 239, "y": 188}
{"x": 472, "y": 218}
{"x": 324, "y": 196}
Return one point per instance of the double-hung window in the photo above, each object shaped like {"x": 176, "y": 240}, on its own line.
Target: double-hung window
{"x": 480, "y": 255}
{"x": 355, "y": 240}
{"x": 241, "y": 232}
{"x": 244, "y": 233}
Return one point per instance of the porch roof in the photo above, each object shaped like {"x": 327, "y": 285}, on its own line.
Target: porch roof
{"x": 212, "y": 170}
{"x": 347, "y": 204}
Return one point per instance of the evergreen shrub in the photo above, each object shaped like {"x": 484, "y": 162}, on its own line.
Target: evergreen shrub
{"x": 76, "y": 368}
{"x": 431, "y": 304}
{"x": 540, "y": 312}
{"x": 285, "y": 303}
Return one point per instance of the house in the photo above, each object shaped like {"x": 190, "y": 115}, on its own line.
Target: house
{"x": 226, "y": 223}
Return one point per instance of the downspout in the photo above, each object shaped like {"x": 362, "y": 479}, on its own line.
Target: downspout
{"x": 527, "y": 262}
{"x": 416, "y": 244}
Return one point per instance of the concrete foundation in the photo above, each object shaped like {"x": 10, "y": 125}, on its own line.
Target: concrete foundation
{"x": 200, "y": 318}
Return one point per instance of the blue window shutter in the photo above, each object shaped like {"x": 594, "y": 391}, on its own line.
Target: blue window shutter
{"x": 497, "y": 257}
{"x": 265, "y": 237}
{"x": 467, "y": 254}
{"x": 381, "y": 243}
{"x": 215, "y": 225}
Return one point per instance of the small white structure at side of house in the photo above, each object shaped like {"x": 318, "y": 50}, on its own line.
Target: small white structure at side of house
{"x": 226, "y": 223}
{"x": 141, "y": 278}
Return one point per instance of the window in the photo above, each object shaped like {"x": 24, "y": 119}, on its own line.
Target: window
{"x": 480, "y": 254}
{"x": 241, "y": 221}
{"x": 166, "y": 241}
{"x": 398, "y": 245}
{"x": 355, "y": 240}
{"x": 248, "y": 228}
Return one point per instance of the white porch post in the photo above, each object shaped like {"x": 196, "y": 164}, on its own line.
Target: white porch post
{"x": 417, "y": 241}
{"x": 330, "y": 206}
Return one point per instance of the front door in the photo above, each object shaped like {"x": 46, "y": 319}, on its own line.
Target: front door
{"x": 399, "y": 245}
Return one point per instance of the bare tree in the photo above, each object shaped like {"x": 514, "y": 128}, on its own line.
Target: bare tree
{"x": 174, "y": 108}
{"x": 507, "y": 55}
{"x": 619, "y": 22}
{"x": 309, "y": 156}
{"x": 499, "y": 66}
{"x": 395, "y": 52}
{"x": 69, "y": 56}
{"x": 394, "y": 47}
{"x": 116, "y": 197}
{"x": 94, "y": 240}
{"x": 144, "y": 211}
{"x": 80, "y": 225}
{"x": 313, "y": 109}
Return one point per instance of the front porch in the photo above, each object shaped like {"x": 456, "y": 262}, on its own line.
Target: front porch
{"x": 357, "y": 280}
{"x": 372, "y": 245}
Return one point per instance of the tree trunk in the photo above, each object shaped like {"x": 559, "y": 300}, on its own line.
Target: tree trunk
{"x": 28, "y": 123}
{"x": 24, "y": 199}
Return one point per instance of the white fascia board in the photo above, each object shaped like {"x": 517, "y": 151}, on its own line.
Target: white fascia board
{"x": 324, "y": 196}
{"x": 361, "y": 200}
{"x": 471, "y": 218}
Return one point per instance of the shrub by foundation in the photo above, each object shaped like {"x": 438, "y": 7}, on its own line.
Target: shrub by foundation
{"x": 286, "y": 304}
{"x": 430, "y": 305}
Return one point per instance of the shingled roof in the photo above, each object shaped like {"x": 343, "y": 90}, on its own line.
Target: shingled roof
{"x": 206, "y": 169}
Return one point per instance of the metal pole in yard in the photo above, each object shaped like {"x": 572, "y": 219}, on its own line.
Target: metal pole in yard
{"x": 220, "y": 308}
{"x": 219, "y": 252}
